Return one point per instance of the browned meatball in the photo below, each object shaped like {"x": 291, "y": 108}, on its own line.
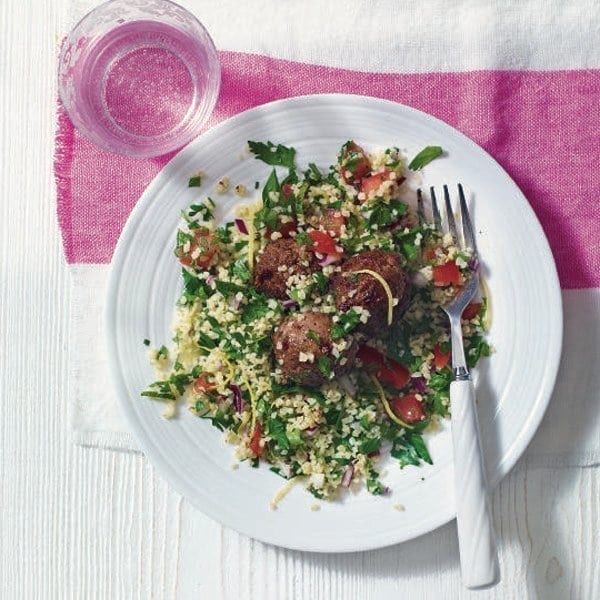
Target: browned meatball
{"x": 296, "y": 259}
{"x": 305, "y": 352}
{"x": 364, "y": 290}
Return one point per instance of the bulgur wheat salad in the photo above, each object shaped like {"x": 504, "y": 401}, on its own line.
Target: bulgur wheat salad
{"x": 310, "y": 329}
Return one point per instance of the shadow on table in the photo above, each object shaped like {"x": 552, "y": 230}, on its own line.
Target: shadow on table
{"x": 535, "y": 546}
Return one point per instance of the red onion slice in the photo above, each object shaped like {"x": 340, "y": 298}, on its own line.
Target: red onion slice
{"x": 238, "y": 399}
{"x": 311, "y": 431}
{"x": 473, "y": 264}
{"x": 328, "y": 259}
{"x": 348, "y": 475}
{"x": 290, "y": 303}
{"x": 419, "y": 384}
{"x": 241, "y": 225}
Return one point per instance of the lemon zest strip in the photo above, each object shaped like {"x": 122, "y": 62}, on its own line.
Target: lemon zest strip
{"x": 386, "y": 288}
{"x": 386, "y": 405}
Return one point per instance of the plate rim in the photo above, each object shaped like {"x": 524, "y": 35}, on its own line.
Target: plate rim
{"x": 158, "y": 462}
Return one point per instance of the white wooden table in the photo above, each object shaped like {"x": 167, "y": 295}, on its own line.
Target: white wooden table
{"x": 83, "y": 523}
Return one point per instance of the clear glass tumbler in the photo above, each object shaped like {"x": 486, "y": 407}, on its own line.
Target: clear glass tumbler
{"x": 139, "y": 77}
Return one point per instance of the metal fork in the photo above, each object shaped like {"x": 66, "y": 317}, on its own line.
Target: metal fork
{"x": 476, "y": 537}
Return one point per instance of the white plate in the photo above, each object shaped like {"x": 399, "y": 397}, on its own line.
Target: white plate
{"x": 513, "y": 386}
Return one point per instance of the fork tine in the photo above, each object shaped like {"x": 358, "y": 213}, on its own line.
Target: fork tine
{"x": 467, "y": 226}
{"x": 437, "y": 219}
{"x": 420, "y": 209}
{"x": 450, "y": 216}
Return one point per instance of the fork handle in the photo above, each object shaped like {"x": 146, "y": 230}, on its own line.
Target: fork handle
{"x": 476, "y": 537}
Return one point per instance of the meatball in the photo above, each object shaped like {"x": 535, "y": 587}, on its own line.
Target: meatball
{"x": 269, "y": 275}
{"x": 305, "y": 352}
{"x": 366, "y": 291}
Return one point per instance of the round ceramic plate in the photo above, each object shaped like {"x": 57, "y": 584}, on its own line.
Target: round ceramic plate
{"x": 513, "y": 386}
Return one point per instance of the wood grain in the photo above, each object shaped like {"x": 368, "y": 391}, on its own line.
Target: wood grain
{"x": 85, "y": 524}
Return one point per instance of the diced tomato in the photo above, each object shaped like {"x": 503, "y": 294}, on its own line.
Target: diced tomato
{"x": 440, "y": 359}
{"x": 385, "y": 369}
{"x": 203, "y": 248}
{"x": 354, "y": 160}
{"x": 372, "y": 183}
{"x": 408, "y": 408}
{"x": 446, "y": 274}
{"x": 471, "y": 311}
{"x": 254, "y": 443}
{"x": 286, "y": 191}
{"x": 430, "y": 254}
{"x": 201, "y": 384}
{"x": 323, "y": 243}
{"x": 332, "y": 221}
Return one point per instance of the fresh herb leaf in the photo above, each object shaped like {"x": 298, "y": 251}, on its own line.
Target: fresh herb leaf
{"x": 406, "y": 243}
{"x": 313, "y": 175}
{"x": 374, "y": 485}
{"x": 424, "y": 157}
{"x": 298, "y": 198}
{"x": 146, "y": 342}
{"x": 224, "y": 234}
{"x": 295, "y": 438}
{"x": 272, "y": 185}
{"x": 303, "y": 239}
{"x": 257, "y": 307}
{"x": 205, "y": 342}
{"x": 324, "y": 363}
{"x": 163, "y": 352}
{"x": 321, "y": 281}
{"x": 273, "y": 155}
{"x": 314, "y": 336}
{"x": 204, "y": 210}
{"x": 334, "y": 418}
{"x": 193, "y": 287}
{"x": 158, "y": 395}
{"x": 440, "y": 381}
{"x": 348, "y": 321}
{"x": 276, "y": 429}
{"x": 416, "y": 439}
{"x": 370, "y": 445}
{"x": 179, "y": 380}
{"x": 182, "y": 238}
{"x": 385, "y": 213}
{"x": 195, "y": 181}
{"x": 477, "y": 348}
{"x": 410, "y": 449}
{"x": 439, "y": 403}
{"x": 240, "y": 269}
{"x": 222, "y": 420}
{"x": 227, "y": 288}
{"x": 279, "y": 390}
{"x": 266, "y": 216}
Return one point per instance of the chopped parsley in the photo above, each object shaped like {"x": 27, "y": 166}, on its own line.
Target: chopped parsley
{"x": 347, "y": 322}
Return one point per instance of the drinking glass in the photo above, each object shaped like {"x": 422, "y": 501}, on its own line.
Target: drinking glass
{"x": 139, "y": 77}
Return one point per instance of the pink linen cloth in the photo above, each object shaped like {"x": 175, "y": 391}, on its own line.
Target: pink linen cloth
{"x": 543, "y": 127}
